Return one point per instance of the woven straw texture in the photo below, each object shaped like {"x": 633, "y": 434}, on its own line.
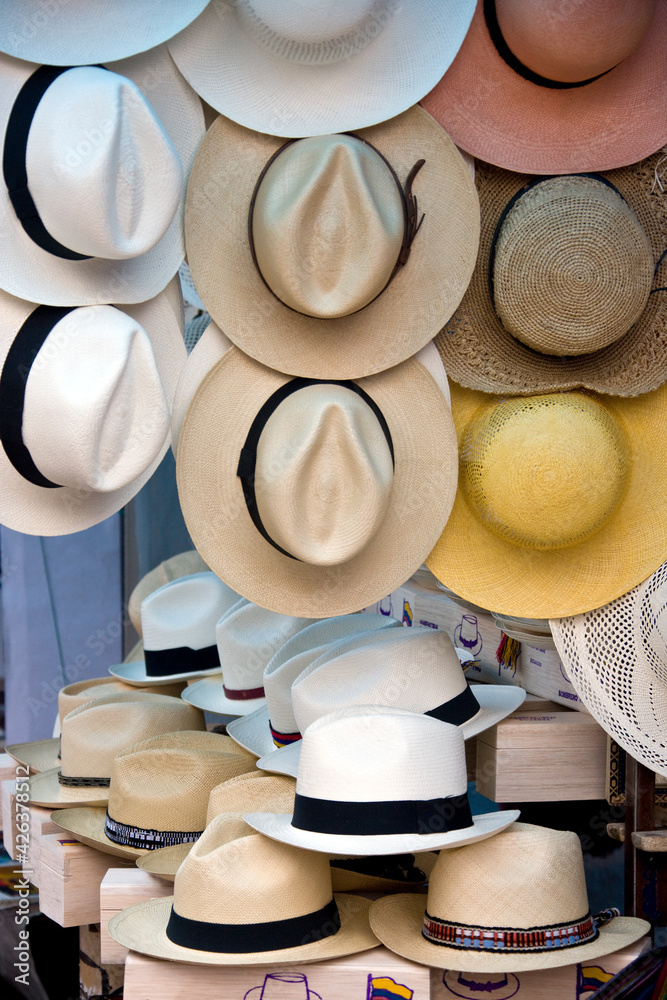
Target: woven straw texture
{"x": 479, "y": 352}
{"x": 540, "y": 474}
{"x": 82, "y": 692}
{"x": 180, "y": 565}
{"x": 616, "y": 659}
{"x": 416, "y": 303}
{"x": 526, "y": 877}
{"x": 40, "y": 755}
{"x": 205, "y": 354}
{"x": 498, "y": 116}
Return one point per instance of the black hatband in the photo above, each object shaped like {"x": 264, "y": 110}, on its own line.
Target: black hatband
{"x": 370, "y": 819}
{"x": 458, "y": 710}
{"x": 180, "y": 660}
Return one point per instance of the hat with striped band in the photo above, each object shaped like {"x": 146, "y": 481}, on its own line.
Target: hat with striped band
{"x": 183, "y": 564}
{"x": 158, "y": 793}
{"x": 515, "y": 904}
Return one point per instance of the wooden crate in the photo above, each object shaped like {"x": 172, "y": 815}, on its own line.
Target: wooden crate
{"x": 121, "y": 887}
{"x": 8, "y": 772}
{"x": 542, "y": 757}
{"x": 70, "y": 877}
{"x": 41, "y": 824}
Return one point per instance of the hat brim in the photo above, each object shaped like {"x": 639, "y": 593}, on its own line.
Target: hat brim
{"x": 210, "y": 696}
{"x": 40, "y": 755}
{"x": 491, "y": 571}
{"x": 142, "y": 928}
{"x": 134, "y": 673}
{"x": 208, "y": 350}
{"x": 614, "y": 121}
{"x": 32, "y": 273}
{"x": 397, "y": 921}
{"x": 478, "y": 352}
{"x": 86, "y": 823}
{"x": 36, "y": 510}
{"x": 46, "y": 791}
{"x": 217, "y": 518}
{"x": 414, "y": 305}
{"x": 253, "y": 732}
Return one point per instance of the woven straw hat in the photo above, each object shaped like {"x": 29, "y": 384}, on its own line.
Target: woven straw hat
{"x": 158, "y": 793}
{"x": 315, "y": 291}
{"x": 372, "y": 518}
{"x": 509, "y": 102}
{"x": 366, "y": 786}
{"x": 328, "y": 67}
{"x": 616, "y": 659}
{"x": 247, "y": 637}
{"x": 568, "y": 288}
{"x": 69, "y": 457}
{"x": 561, "y": 504}
{"x": 178, "y": 622}
{"x": 534, "y": 631}
{"x": 97, "y": 169}
{"x": 183, "y": 564}
{"x": 247, "y": 901}
{"x": 95, "y": 733}
{"x": 528, "y": 879}
{"x": 416, "y": 669}
{"x": 274, "y": 726}
{"x": 204, "y": 355}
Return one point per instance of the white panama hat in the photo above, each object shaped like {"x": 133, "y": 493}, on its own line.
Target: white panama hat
{"x": 178, "y": 626}
{"x": 273, "y": 725}
{"x": 85, "y": 396}
{"x": 247, "y": 637}
{"x": 367, "y": 785}
{"x": 96, "y": 159}
{"x": 411, "y": 668}
{"x": 318, "y": 66}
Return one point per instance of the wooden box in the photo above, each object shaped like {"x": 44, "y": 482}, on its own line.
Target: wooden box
{"x": 542, "y": 757}
{"x": 121, "y": 887}
{"x": 366, "y": 976}
{"x": 8, "y": 772}
{"x": 70, "y": 877}
{"x": 16, "y": 839}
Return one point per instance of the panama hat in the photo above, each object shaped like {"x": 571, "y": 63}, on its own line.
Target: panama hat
{"x": 517, "y": 903}
{"x": 178, "y": 623}
{"x": 561, "y": 503}
{"x": 416, "y": 669}
{"x": 534, "y": 631}
{"x": 183, "y": 564}
{"x": 303, "y": 253}
{"x": 366, "y": 786}
{"x": 327, "y": 67}
{"x": 95, "y": 733}
{"x": 615, "y": 658}
{"x": 247, "y": 900}
{"x": 568, "y": 289}
{"x": 95, "y": 164}
{"x": 84, "y": 408}
{"x": 158, "y": 793}
{"x": 375, "y": 490}
{"x": 204, "y": 355}
{"x": 558, "y": 89}
{"x": 273, "y": 725}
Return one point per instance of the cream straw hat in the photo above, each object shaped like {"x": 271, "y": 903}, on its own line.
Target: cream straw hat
{"x": 274, "y": 725}
{"x": 305, "y": 253}
{"x": 312, "y": 67}
{"x": 95, "y": 733}
{"x": 411, "y": 668}
{"x": 372, "y": 515}
{"x": 366, "y": 785}
{"x": 85, "y": 395}
{"x": 183, "y": 564}
{"x": 515, "y": 903}
{"x": 158, "y": 793}
{"x": 178, "y": 624}
{"x": 247, "y": 637}
{"x": 616, "y": 659}
{"x": 204, "y": 355}
{"x": 562, "y": 504}
{"x": 95, "y": 165}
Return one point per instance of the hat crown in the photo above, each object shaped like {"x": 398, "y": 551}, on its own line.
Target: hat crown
{"x": 572, "y": 266}
{"x": 252, "y": 792}
{"x": 247, "y": 637}
{"x": 95, "y": 414}
{"x": 101, "y": 169}
{"x": 327, "y": 225}
{"x": 544, "y": 472}
{"x": 185, "y": 612}
{"x": 324, "y": 474}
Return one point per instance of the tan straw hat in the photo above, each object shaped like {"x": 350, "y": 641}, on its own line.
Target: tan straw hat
{"x": 562, "y": 500}
{"x": 204, "y": 355}
{"x": 514, "y": 903}
{"x": 558, "y": 88}
{"x": 568, "y": 289}
{"x": 158, "y": 793}
{"x": 95, "y": 733}
{"x": 616, "y": 659}
{"x": 306, "y": 253}
{"x": 343, "y": 487}
{"x": 183, "y": 564}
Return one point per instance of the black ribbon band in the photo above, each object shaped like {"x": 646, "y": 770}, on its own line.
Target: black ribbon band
{"x": 457, "y": 711}
{"x": 248, "y": 456}
{"x": 71, "y": 782}
{"x": 146, "y": 840}
{"x": 14, "y": 161}
{"x": 239, "y": 939}
{"x": 20, "y": 358}
{"x": 399, "y": 867}
{"x": 367, "y": 819}
{"x": 180, "y": 660}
